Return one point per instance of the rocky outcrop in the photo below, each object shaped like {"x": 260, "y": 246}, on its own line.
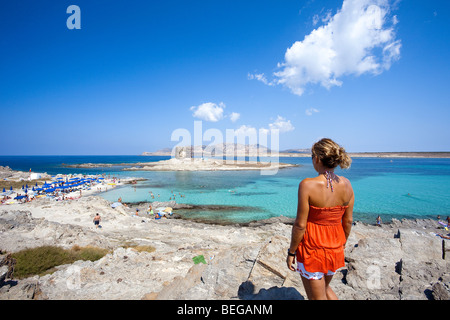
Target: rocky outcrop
{"x": 398, "y": 261}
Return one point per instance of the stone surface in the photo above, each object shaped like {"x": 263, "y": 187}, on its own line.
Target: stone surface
{"x": 402, "y": 260}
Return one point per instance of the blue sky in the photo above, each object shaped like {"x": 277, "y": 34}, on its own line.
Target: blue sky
{"x": 373, "y": 79}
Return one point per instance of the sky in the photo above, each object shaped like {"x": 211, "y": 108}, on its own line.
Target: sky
{"x": 372, "y": 75}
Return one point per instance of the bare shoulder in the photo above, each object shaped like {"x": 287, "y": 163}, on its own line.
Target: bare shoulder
{"x": 307, "y": 182}
{"x": 308, "y": 185}
{"x": 345, "y": 180}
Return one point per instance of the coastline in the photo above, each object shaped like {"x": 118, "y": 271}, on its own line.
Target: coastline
{"x": 250, "y": 254}
{"x": 197, "y": 164}
{"x": 242, "y": 261}
{"x": 405, "y": 154}
{"x": 444, "y": 155}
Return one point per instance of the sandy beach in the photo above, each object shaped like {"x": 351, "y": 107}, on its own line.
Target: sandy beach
{"x": 402, "y": 260}
{"x": 20, "y": 187}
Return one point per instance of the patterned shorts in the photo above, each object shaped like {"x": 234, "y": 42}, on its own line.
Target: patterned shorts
{"x": 312, "y": 275}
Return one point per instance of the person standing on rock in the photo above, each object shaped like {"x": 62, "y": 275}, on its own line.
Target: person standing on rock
{"x": 323, "y": 223}
{"x": 97, "y": 220}
{"x": 379, "y": 221}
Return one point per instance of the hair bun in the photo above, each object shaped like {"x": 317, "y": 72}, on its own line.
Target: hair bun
{"x": 331, "y": 154}
{"x": 344, "y": 159}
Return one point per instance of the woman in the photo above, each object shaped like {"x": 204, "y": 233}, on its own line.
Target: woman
{"x": 323, "y": 223}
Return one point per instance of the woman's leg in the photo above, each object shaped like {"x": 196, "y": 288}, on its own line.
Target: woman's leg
{"x": 315, "y": 289}
{"x": 330, "y": 293}
{"x": 319, "y": 289}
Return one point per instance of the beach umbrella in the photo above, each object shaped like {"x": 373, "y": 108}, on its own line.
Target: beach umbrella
{"x": 10, "y": 188}
{"x": 23, "y": 187}
{"x": 4, "y": 190}
{"x": 26, "y": 186}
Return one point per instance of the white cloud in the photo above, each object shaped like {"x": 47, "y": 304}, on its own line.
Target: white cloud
{"x": 282, "y": 125}
{"x": 234, "y": 116}
{"x": 208, "y": 111}
{"x": 264, "y": 131}
{"x": 245, "y": 131}
{"x": 260, "y": 77}
{"x": 349, "y": 44}
{"x": 310, "y": 111}
{"x": 324, "y": 18}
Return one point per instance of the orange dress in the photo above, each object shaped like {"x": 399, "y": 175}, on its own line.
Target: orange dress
{"x": 322, "y": 246}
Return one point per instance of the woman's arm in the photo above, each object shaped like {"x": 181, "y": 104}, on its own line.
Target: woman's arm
{"x": 299, "y": 227}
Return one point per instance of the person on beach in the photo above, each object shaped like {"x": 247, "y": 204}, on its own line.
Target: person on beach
{"x": 97, "y": 220}
{"x": 323, "y": 223}
{"x": 379, "y": 221}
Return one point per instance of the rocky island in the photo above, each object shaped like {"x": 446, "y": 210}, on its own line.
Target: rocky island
{"x": 188, "y": 164}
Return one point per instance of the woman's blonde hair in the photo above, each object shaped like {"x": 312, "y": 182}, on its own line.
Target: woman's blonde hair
{"x": 331, "y": 154}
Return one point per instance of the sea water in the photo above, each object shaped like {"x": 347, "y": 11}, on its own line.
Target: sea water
{"x": 392, "y": 188}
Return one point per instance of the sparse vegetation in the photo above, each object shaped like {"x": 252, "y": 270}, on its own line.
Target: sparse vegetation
{"x": 44, "y": 260}
{"x": 144, "y": 248}
{"x": 138, "y": 248}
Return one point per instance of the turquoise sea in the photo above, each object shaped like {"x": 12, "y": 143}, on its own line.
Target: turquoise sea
{"x": 392, "y": 188}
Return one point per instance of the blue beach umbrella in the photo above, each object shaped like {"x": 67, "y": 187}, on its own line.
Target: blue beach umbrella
{"x": 4, "y": 190}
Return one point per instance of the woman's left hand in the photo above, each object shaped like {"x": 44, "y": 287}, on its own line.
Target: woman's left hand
{"x": 290, "y": 261}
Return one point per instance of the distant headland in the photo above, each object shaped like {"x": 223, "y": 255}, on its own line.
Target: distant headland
{"x": 256, "y": 150}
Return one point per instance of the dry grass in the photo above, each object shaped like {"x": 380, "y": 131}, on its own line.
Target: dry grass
{"x": 43, "y": 260}
{"x": 144, "y": 248}
{"x": 138, "y": 248}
